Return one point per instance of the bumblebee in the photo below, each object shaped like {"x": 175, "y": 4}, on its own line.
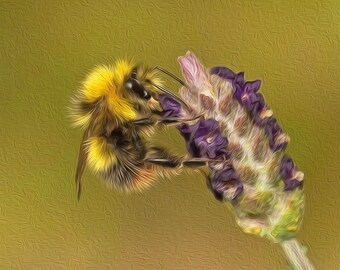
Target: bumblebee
{"x": 118, "y": 108}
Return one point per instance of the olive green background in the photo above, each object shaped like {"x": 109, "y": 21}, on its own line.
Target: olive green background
{"x": 46, "y": 49}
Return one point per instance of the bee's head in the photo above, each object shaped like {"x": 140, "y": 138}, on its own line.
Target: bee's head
{"x": 139, "y": 89}
{"x": 144, "y": 87}
{"x": 123, "y": 91}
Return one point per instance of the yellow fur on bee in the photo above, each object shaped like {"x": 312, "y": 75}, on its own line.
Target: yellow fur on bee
{"x": 122, "y": 68}
{"x": 98, "y": 83}
{"x": 99, "y": 154}
{"x": 108, "y": 82}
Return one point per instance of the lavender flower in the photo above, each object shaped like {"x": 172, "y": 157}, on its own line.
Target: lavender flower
{"x": 204, "y": 139}
{"x": 263, "y": 185}
{"x": 240, "y": 128}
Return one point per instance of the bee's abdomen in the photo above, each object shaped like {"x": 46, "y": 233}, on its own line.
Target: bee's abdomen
{"x": 129, "y": 176}
{"x": 119, "y": 160}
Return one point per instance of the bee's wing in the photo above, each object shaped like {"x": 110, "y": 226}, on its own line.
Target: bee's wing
{"x": 82, "y": 155}
{"x": 81, "y": 163}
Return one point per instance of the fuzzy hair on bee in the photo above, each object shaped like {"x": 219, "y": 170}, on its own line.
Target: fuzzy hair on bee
{"x": 118, "y": 109}
{"x": 103, "y": 89}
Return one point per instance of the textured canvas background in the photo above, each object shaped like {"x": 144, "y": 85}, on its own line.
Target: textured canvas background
{"x": 46, "y": 48}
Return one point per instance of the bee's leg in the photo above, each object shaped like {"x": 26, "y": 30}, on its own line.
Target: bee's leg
{"x": 164, "y": 121}
{"x": 193, "y": 163}
{"x": 162, "y": 157}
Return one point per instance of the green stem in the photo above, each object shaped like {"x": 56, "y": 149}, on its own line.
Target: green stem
{"x": 296, "y": 255}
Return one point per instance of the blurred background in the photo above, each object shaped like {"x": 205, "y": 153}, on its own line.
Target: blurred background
{"x": 47, "y": 48}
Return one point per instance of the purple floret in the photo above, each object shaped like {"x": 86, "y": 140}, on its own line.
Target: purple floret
{"x": 293, "y": 184}
{"x": 224, "y": 180}
{"x": 171, "y": 107}
{"x": 287, "y": 170}
{"x": 254, "y": 103}
{"x": 273, "y": 130}
{"x": 224, "y": 72}
{"x": 287, "y": 167}
{"x": 244, "y": 92}
{"x": 226, "y": 174}
{"x": 204, "y": 138}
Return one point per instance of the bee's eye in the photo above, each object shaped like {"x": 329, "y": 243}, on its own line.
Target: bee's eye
{"x": 137, "y": 88}
{"x": 146, "y": 94}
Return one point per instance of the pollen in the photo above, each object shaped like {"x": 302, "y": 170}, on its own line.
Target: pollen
{"x": 253, "y": 230}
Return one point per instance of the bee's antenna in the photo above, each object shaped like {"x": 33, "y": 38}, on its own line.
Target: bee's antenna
{"x": 164, "y": 90}
{"x": 169, "y": 74}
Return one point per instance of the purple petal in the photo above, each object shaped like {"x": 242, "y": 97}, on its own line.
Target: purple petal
{"x": 171, "y": 107}
{"x": 287, "y": 167}
{"x": 211, "y": 150}
{"x": 204, "y": 138}
{"x": 238, "y": 92}
{"x": 273, "y": 128}
{"x": 206, "y": 127}
{"x": 202, "y": 146}
{"x": 226, "y": 174}
{"x": 292, "y": 184}
{"x": 239, "y": 79}
{"x": 224, "y": 180}
{"x": 254, "y": 103}
{"x": 223, "y": 72}
{"x": 252, "y": 86}
{"x": 257, "y": 105}
{"x": 287, "y": 171}
{"x": 188, "y": 130}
